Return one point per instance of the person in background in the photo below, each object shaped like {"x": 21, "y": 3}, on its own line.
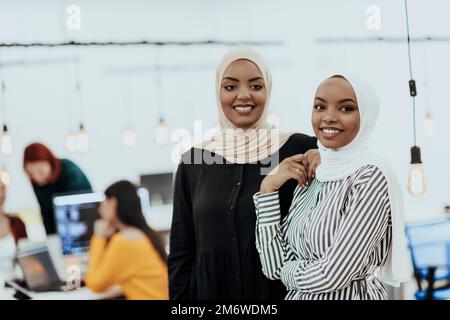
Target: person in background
{"x": 212, "y": 240}
{"x": 125, "y": 250}
{"x": 50, "y": 176}
{"x": 12, "y": 229}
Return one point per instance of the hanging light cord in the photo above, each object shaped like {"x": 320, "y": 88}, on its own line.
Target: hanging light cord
{"x": 410, "y": 69}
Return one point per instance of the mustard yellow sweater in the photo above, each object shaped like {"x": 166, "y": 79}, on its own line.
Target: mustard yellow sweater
{"x": 134, "y": 264}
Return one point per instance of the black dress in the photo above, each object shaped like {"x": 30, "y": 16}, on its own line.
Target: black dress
{"x": 212, "y": 240}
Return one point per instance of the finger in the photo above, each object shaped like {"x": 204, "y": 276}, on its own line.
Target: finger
{"x": 298, "y": 167}
{"x": 311, "y": 171}
{"x": 300, "y": 174}
{"x": 304, "y": 162}
{"x": 297, "y": 157}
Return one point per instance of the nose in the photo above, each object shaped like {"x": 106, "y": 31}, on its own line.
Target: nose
{"x": 329, "y": 116}
{"x": 243, "y": 94}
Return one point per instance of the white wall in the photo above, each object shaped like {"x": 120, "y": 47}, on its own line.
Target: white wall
{"x": 40, "y": 101}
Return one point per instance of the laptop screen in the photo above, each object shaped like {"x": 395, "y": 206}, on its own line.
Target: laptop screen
{"x": 38, "y": 268}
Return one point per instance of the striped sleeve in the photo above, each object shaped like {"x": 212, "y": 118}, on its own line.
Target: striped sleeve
{"x": 269, "y": 235}
{"x": 363, "y": 227}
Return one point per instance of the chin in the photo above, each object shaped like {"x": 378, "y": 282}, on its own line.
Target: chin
{"x": 244, "y": 125}
{"x": 330, "y": 144}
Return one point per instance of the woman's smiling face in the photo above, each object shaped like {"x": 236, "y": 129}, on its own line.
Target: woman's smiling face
{"x": 243, "y": 93}
{"x": 335, "y": 115}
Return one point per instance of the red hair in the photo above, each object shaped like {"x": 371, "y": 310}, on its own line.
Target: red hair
{"x": 39, "y": 152}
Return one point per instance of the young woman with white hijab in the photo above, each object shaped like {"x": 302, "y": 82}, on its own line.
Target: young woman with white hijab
{"x": 345, "y": 231}
{"x": 212, "y": 241}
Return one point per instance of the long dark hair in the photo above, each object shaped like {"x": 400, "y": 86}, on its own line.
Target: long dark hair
{"x": 129, "y": 212}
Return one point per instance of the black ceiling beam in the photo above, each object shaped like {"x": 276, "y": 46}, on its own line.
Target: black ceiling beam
{"x": 382, "y": 39}
{"x": 141, "y": 43}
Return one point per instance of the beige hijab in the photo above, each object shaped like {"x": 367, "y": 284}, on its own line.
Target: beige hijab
{"x": 235, "y": 144}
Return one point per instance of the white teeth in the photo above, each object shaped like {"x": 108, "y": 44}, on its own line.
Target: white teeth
{"x": 330, "y": 131}
{"x": 243, "y": 109}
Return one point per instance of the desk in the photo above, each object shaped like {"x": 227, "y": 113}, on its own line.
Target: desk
{"x": 79, "y": 294}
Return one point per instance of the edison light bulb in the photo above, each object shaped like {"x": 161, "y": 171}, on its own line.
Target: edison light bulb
{"x": 416, "y": 180}
{"x": 129, "y": 137}
{"x": 162, "y": 133}
{"x": 6, "y": 145}
{"x": 4, "y": 177}
{"x": 428, "y": 125}
{"x": 83, "y": 141}
{"x": 71, "y": 142}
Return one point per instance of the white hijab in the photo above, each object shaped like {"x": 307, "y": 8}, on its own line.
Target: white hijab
{"x": 235, "y": 144}
{"x": 341, "y": 163}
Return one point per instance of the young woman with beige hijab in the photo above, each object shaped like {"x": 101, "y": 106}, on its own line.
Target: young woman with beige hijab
{"x": 212, "y": 241}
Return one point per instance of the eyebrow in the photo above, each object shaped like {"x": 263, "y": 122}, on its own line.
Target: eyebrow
{"x": 234, "y": 79}
{"x": 340, "y": 101}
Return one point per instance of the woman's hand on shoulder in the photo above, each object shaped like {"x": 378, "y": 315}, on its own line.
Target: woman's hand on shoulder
{"x": 290, "y": 168}
{"x": 312, "y": 157}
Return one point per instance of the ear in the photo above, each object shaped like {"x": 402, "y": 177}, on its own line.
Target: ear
{"x": 113, "y": 202}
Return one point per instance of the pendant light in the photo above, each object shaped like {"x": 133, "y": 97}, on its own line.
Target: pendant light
{"x": 129, "y": 137}
{"x": 416, "y": 179}
{"x": 70, "y": 142}
{"x": 428, "y": 125}
{"x": 4, "y": 177}
{"x": 162, "y": 132}
{"x": 6, "y": 144}
{"x": 83, "y": 140}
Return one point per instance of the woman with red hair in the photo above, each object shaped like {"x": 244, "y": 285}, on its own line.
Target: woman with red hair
{"x": 50, "y": 175}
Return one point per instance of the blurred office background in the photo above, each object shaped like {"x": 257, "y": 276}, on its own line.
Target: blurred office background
{"x": 159, "y": 89}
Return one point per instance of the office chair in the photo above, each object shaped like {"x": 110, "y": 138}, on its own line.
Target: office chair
{"x": 430, "y": 252}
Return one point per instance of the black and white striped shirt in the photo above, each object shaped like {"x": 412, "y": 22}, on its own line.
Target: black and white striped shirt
{"x": 335, "y": 237}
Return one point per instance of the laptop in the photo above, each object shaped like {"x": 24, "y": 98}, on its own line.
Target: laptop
{"x": 38, "y": 270}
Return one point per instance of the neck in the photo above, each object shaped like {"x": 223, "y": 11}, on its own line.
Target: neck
{"x": 120, "y": 226}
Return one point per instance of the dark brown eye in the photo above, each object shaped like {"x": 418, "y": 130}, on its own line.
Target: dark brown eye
{"x": 319, "y": 107}
{"x": 230, "y": 87}
{"x": 347, "y": 108}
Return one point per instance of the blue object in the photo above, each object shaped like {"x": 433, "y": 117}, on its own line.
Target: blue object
{"x": 430, "y": 252}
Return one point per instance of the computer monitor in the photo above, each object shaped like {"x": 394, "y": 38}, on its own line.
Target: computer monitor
{"x": 160, "y": 187}
{"x": 75, "y": 215}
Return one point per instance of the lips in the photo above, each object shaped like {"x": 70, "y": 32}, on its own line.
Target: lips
{"x": 243, "y": 108}
{"x": 330, "y": 132}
